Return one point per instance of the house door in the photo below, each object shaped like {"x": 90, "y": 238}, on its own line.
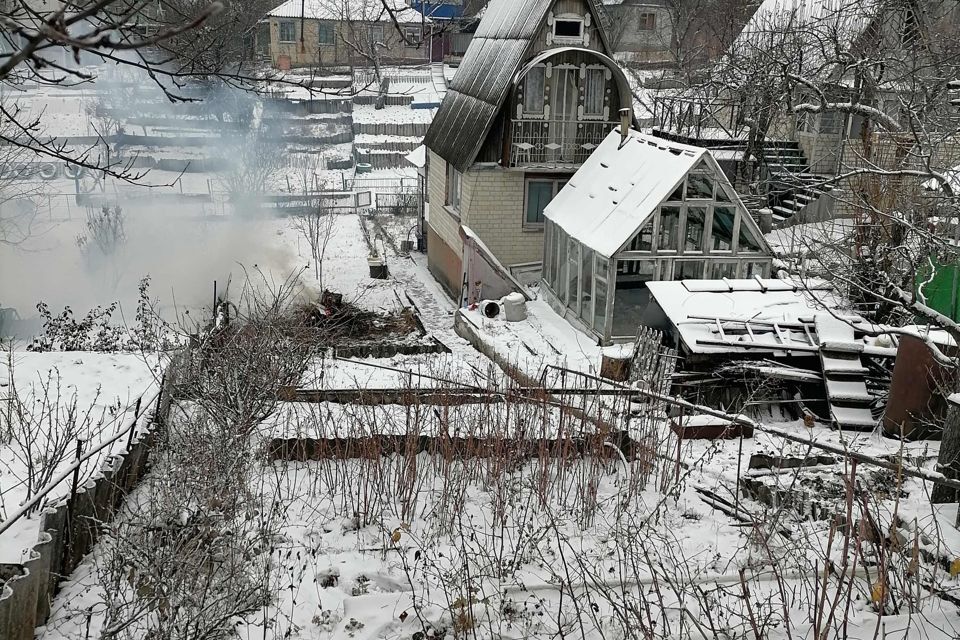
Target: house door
{"x": 564, "y": 98}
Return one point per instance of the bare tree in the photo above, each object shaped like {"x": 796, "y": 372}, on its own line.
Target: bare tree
{"x": 878, "y": 74}
{"x": 251, "y": 163}
{"x": 316, "y": 225}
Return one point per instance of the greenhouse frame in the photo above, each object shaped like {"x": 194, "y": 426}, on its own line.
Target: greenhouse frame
{"x": 642, "y": 209}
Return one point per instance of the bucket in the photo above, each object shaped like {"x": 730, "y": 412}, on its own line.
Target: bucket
{"x": 514, "y": 307}
{"x": 378, "y": 267}
{"x": 490, "y": 308}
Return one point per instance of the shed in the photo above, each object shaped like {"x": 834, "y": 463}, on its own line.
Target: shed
{"x": 643, "y": 209}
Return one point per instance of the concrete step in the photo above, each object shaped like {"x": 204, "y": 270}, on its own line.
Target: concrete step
{"x": 784, "y": 212}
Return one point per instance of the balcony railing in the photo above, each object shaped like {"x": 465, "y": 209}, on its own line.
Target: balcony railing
{"x": 555, "y": 142}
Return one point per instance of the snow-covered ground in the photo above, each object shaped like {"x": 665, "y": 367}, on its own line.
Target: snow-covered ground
{"x": 61, "y": 396}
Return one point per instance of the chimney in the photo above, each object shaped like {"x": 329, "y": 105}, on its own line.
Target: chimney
{"x": 624, "y": 125}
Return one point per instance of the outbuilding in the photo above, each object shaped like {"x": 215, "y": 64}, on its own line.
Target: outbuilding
{"x": 642, "y": 209}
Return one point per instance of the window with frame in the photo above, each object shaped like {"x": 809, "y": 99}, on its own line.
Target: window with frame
{"x": 647, "y": 21}
{"x": 721, "y": 238}
{"x": 412, "y": 36}
{"x": 727, "y": 269}
{"x": 669, "y": 232}
{"x": 600, "y": 295}
{"x": 586, "y": 285}
{"x": 568, "y": 28}
{"x": 325, "y": 34}
{"x": 911, "y": 28}
{"x": 533, "y": 83}
{"x": 677, "y": 195}
{"x": 454, "y": 187}
{"x": 594, "y": 88}
{"x": 573, "y": 273}
{"x": 696, "y": 218}
{"x": 375, "y": 34}
{"x": 699, "y": 187}
{"x": 747, "y": 242}
{"x": 688, "y": 269}
{"x": 643, "y": 241}
{"x": 539, "y": 193}
{"x": 287, "y": 31}
{"x": 752, "y": 269}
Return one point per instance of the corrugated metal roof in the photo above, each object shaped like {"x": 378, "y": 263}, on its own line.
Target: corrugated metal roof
{"x": 482, "y": 82}
{"x": 360, "y": 10}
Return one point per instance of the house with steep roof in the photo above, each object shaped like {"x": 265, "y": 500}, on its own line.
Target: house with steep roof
{"x": 317, "y": 33}
{"x": 643, "y": 209}
{"x": 535, "y": 94}
{"x": 640, "y": 30}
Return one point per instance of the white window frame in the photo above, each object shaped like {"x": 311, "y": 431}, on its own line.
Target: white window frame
{"x": 454, "y": 188}
{"x": 553, "y": 39}
{"x": 522, "y": 106}
{"x": 604, "y": 107}
{"x": 413, "y": 35}
{"x": 558, "y": 39}
{"x": 333, "y": 34}
{"x": 557, "y": 186}
{"x": 376, "y": 28}
{"x": 641, "y": 21}
{"x": 280, "y": 24}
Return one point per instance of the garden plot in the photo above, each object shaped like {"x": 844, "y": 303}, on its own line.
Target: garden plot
{"x": 344, "y": 267}
{"x": 50, "y": 401}
{"x": 425, "y": 371}
{"x": 414, "y": 545}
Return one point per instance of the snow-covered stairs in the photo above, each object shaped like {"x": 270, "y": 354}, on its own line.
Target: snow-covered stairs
{"x": 439, "y": 81}
{"x": 844, "y": 374}
{"x": 790, "y": 186}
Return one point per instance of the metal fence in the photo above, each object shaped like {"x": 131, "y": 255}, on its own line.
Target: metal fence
{"x": 555, "y": 141}
{"x": 402, "y": 203}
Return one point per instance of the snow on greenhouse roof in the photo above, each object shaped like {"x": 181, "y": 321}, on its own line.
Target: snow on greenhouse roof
{"x": 619, "y": 186}
{"x": 360, "y": 10}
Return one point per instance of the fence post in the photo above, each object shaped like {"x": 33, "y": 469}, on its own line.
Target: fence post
{"x": 71, "y": 507}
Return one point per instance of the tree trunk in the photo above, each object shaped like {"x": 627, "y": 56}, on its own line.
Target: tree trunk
{"x": 949, "y": 461}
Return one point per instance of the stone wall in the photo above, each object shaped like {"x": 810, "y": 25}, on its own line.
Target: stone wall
{"x": 69, "y": 529}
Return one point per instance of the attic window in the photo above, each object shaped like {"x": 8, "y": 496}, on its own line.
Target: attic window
{"x": 568, "y": 28}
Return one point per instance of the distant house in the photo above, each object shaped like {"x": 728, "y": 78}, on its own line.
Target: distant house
{"x": 536, "y": 93}
{"x": 641, "y": 30}
{"x": 642, "y": 209}
{"x": 303, "y": 33}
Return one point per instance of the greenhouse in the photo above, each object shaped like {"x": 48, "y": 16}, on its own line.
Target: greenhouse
{"x": 642, "y": 209}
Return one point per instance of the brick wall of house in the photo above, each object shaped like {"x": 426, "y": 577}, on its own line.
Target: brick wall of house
{"x": 312, "y": 53}
{"x": 895, "y": 190}
{"x": 821, "y": 150}
{"x": 493, "y": 208}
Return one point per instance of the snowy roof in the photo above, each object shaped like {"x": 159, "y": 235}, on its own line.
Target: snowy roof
{"x": 502, "y": 42}
{"x": 694, "y": 307}
{"x": 807, "y": 29}
{"x": 417, "y": 157}
{"x": 360, "y": 10}
{"x": 952, "y": 176}
{"x": 619, "y": 187}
